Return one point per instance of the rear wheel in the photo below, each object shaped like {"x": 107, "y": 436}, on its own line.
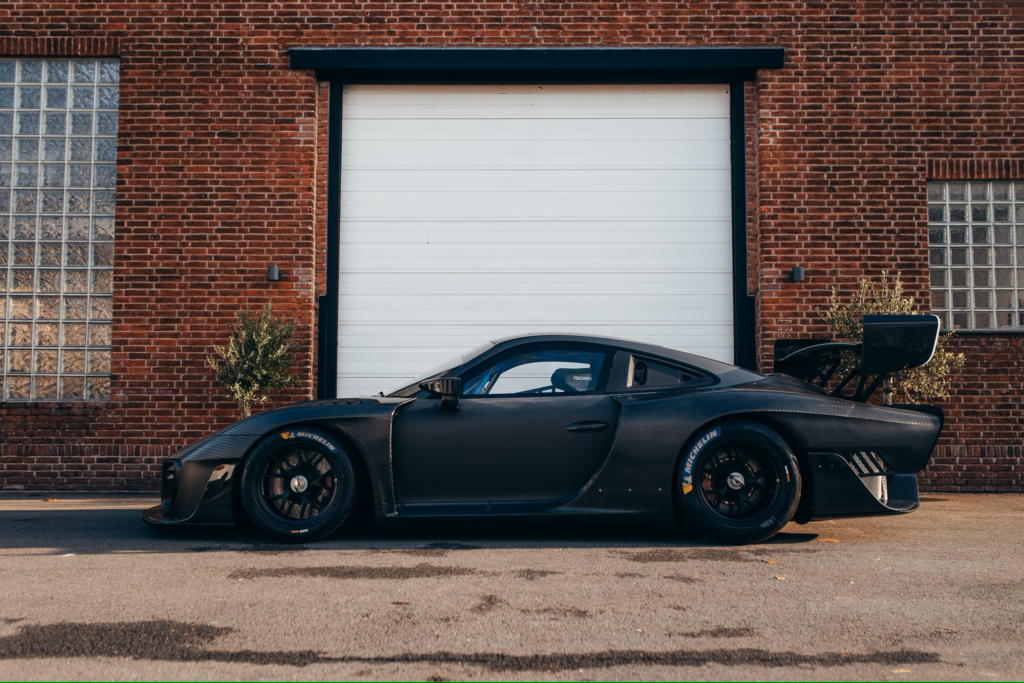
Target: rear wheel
{"x": 739, "y": 482}
{"x": 298, "y": 485}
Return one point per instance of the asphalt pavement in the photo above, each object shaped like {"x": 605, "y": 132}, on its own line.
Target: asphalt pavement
{"x": 87, "y": 590}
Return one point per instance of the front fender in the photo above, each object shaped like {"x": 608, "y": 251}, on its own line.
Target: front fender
{"x": 198, "y": 483}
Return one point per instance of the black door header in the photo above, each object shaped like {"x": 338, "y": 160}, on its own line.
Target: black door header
{"x": 536, "y": 65}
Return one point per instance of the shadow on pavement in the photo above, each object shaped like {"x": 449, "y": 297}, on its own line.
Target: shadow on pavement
{"x": 123, "y": 531}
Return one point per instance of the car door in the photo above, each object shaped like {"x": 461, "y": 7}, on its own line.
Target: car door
{"x": 532, "y": 425}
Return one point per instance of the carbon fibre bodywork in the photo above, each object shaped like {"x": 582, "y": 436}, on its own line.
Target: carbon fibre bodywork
{"x": 364, "y": 425}
{"x": 634, "y": 480}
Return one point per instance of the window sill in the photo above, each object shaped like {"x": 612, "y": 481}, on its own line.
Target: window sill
{"x": 985, "y": 332}
{"x": 35, "y": 403}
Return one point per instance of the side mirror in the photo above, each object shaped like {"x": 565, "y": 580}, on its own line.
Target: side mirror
{"x": 448, "y": 388}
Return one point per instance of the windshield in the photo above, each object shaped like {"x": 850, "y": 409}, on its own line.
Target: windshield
{"x": 413, "y": 387}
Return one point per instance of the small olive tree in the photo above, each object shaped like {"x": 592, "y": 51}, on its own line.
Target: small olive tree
{"x": 256, "y": 359}
{"x": 907, "y": 386}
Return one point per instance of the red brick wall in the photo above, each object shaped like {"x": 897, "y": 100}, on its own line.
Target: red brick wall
{"x": 981, "y": 449}
{"x": 221, "y": 171}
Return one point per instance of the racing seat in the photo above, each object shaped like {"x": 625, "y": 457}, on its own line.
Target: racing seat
{"x": 573, "y": 380}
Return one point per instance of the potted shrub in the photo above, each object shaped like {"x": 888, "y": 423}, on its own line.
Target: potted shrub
{"x": 256, "y": 359}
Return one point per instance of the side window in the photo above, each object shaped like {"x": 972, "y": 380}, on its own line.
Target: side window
{"x": 645, "y": 373}
{"x": 541, "y": 371}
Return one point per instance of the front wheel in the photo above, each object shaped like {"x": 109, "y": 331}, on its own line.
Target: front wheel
{"x": 298, "y": 485}
{"x": 738, "y": 482}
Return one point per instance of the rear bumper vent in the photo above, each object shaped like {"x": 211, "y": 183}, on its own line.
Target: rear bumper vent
{"x": 871, "y": 470}
{"x": 866, "y": 464}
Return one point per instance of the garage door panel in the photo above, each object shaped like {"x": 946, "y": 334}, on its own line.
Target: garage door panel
{"x": 540, "y": 160}
{"x": 587, "y": 93}
{"x": 534, "y": 315}
{"x": 499, "y": 303}
{"x": 376, "y": 150}
{"x": 475, "y": 109}
{"x": 697, "y": 204}
{"x": 531, "y": 130}
{"x": 430, "y": 240}
{"x": 550, "y": 180}
{"x": 504, "y": 101}
{"x": 458, "y": 307}
{"x": 455, "y": 111}
{"x": 366, "y": 230}
{"x": 638, "y": 277}
{"x": 704, "y": 186}
{"x": 484, "y": 267}
{"x": 579, "y": 256}
{"x": 527, "y": 211}
{"x": 475, "y": 212}
{"x": 364, "y": 284}
{"x": 526, "y": 128}
{"x": 662, "y": 238}
{"x": 382, "y": 340}
{"x": 362, "y": 298}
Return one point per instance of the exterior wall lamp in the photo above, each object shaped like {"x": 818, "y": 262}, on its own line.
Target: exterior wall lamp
{"x": 273, "y": 273}
{"x": 797, "y": 274}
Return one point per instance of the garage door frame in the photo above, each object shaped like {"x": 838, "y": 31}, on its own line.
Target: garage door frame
{"x": 340, "y": 66}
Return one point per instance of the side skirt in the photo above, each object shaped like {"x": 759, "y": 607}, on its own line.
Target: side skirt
{"x": 502, "y": 508}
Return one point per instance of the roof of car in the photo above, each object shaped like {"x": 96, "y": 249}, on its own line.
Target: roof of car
{"x": 709, "y": 364}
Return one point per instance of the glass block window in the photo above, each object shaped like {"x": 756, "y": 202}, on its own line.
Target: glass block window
{"x": 58, "y": 154}
{"x": 976, "y": 254}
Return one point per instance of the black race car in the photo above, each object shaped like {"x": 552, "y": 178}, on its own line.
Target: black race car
{"x": 547, "y": 427}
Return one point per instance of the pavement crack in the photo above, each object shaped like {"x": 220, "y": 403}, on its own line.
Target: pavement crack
{"x": 497, "y": 661}
{"x": 415, "y": 552}
{"x": 685, "y": 555}
{"x": 435, "y": 549}
{"x": 719, "y": 632}
{"x": 681, "y": 579}
{"x": 700, "y": 554}
{"x": 453, "y": 545}
{"x": 534, "y": 574}
{"x": 419, "y": 571}
{"x": 558, "y": 611}
{"x": 166, "y": 640}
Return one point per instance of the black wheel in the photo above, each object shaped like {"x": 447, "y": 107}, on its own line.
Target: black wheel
{"x": 739, "y": 482}
{"x": 298, "y": 485}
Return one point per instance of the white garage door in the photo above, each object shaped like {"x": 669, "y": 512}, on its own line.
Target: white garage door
{"x": 475, "y": 212}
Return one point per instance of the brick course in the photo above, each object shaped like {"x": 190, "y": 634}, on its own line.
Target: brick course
{"x": 222, "y": 170}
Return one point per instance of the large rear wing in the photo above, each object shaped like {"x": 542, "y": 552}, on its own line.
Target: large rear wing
{"x": 891, "y": 343}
